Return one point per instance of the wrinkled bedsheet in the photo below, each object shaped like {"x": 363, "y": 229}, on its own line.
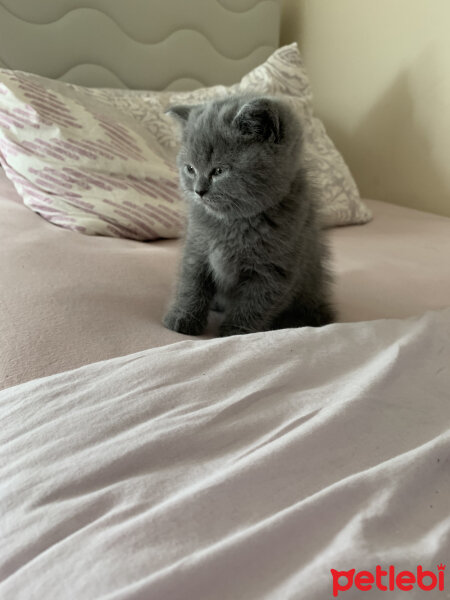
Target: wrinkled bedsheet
{"x": 238, "y": 468}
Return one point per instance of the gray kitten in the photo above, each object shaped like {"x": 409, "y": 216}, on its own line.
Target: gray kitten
{"x": 253, "y": 246}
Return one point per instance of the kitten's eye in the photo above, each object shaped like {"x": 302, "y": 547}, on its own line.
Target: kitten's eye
{"x": 217, "y": 171}
{"x": 190, "y": 169}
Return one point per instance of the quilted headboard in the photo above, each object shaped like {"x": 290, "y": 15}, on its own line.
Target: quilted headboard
{"x": 139, "y": 44}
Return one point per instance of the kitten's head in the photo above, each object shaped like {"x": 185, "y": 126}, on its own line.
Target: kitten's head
{"x": 238, "y": 155}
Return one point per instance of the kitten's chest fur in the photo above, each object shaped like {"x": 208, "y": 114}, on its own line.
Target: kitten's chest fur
{"x": 237, "y": 250}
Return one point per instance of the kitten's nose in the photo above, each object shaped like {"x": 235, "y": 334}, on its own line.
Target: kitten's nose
{"x": 201, "y": 192}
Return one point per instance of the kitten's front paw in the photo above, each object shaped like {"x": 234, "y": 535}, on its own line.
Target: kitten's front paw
{"x": 182, "y": 322}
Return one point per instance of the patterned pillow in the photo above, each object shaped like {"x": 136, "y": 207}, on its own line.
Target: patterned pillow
{"x": 84, "y": 164}
{"x": 102, "y": 161}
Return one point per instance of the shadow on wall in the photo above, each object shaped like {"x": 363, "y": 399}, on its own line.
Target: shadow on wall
{"x": 290, "y": 25}
{"x": 394, "y": 153}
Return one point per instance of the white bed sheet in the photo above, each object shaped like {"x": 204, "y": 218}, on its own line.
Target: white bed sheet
{"x": 237, "y": 468}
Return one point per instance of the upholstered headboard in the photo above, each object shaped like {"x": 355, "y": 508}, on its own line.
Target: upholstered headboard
{"x": 139, "y": 44}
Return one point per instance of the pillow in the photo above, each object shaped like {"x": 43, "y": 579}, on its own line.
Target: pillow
{"x": 102, "y": 161}
{"x": 84, "y": 164}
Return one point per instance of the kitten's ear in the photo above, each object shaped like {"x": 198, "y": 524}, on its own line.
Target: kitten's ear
{"x": 259, "y": 118}
{"x": 180, "y": 112}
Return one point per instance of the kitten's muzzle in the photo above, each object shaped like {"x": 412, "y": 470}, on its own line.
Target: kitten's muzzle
{"x": 201, "y": 192}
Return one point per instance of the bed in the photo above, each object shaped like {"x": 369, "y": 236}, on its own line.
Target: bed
{"x": 58, "y": 315}
{"x": 140, "y": 463}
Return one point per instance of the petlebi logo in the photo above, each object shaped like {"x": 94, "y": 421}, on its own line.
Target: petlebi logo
{"x": 388, "y": 580}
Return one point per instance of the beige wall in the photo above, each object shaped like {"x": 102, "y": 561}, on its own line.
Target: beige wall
{"x": 380, "y": 71}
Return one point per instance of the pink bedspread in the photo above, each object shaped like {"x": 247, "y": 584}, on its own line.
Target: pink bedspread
{"x": 68, "y": 300}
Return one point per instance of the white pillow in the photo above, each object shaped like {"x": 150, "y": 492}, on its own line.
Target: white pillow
{"x": 102, "y": 161}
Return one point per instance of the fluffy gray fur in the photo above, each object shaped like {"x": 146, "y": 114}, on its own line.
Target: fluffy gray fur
{"x": 253, "y": 245}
